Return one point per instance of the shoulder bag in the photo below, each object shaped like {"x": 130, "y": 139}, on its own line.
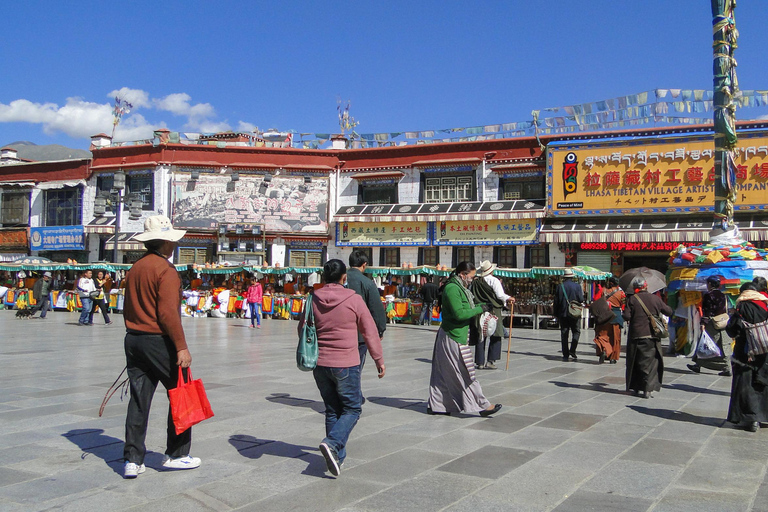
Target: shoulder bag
{"x": 574, "y": 307}
{"x": 719, "y": 322}
{"x": 306, "y": 351}
{"x": 757, "y": 337}
{"x": 658, "y": 325}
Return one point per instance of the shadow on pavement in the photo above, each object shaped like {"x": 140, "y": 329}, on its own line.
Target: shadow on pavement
{"x": 94, "y": 442}
{"x": 696, "y": 389}
{"x": 602, "y": 387}
{"x": 548, "y": 357}
{"x": 253, "y": 448}
{"x": 417, "y": 404}
{"x": 423, "y": 360}
{"x": 287, "y": 399}
{"x": 679, "y": 416}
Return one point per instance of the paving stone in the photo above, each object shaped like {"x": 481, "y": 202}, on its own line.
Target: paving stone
{"x": 319, "y": 496}
{"x": 536, "y": 438}
{"x": 490, "y": 461}
{"x": 461, "y": 441}
{"x": 722, "y": 475}
{"x": 633, "y": 478}
{"x": 600, "y": 502}
{"x": 585, "y": 455}
{"x": 661, "y": 451}
{"x": 688, "y": 500}
{"x": 398, "y": 467}
{"x": 429, "y": 492}
{"x": 622, "y": 434}
{"x": 504, "y": 422}
{"x": 571, "y": 421}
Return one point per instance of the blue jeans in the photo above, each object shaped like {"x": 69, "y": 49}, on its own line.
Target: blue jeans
{"x": 85, "y": 313}
{"x": 340, "y": 389}
{"x": 43, "y": 305}
{"x": 426, "y": 313}
{"x": 255, "y": 312}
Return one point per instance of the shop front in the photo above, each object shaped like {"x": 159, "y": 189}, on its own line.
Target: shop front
{"x": 619, "y": 204}
{"x": 14, "y": 244}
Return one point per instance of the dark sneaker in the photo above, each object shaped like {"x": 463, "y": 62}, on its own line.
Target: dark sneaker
{"x": 694, "y": 368}
{"x": 602, "y": 357}
{"x": 331, "y": 460}
{"x": 752, "y": 426}
{"x": 573, "y": 356}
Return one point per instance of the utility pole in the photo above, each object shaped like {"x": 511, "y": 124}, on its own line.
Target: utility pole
{"x": 726, "y": 85}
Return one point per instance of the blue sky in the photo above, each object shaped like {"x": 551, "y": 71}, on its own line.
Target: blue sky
{"x": 404, "y": 65}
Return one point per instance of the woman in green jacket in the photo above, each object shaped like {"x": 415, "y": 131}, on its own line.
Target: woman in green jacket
{"x": 452, "y": 384}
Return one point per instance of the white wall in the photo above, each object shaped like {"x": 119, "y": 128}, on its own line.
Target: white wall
{"x": 556, "y": 258}
{"x": 408, "y": 188}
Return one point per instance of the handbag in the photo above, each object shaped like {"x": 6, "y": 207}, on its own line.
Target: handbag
{"x": 95, "y": 295}
{"x": 757, "y": 338}
{"x": 306, "y": 351}
{"x": 574, "y": 307}
{"x": 658, "y": 325}
{"x": 189, "y": 403}
{"x": 719, "y": 322}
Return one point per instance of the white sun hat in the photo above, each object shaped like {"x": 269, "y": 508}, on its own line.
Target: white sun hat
{"x": 159, "y": 227}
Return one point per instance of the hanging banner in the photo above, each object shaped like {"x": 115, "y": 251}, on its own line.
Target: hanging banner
{"x": 637, "y": 177}
{"x": 363, "y": 234}
{"x": 283, "y": 204}
{"x": 479, "y": 232}
{"x": 59, "y": 238}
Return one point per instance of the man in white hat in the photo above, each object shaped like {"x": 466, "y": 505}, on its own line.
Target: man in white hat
{"x": 41, "y": 292}
{"x": 155, "y": 346}
{"x": 487, "y": 288}
{"x": 568, "y": 291}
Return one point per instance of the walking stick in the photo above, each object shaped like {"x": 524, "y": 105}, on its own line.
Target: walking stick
{"x": 509, "y": 343}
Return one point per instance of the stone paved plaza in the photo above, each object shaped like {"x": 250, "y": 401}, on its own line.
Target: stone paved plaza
{"x": 567, "y": 439}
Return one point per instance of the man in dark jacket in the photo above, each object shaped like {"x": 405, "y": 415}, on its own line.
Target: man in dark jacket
{"x": 42, "y": 294}
{"x": 428, "y": 294}
{"x": 366, "y": 288}
{"x": 564, "y": 294}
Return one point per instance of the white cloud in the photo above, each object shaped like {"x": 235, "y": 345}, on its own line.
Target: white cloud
{"x": 178, "y": 104}
{"x": 77, "y": 118}
{"x": 243, "y": 126}
{"x": 135, "y": 97}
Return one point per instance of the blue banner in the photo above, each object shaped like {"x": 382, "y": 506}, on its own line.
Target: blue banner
{"x": 58, "y": 238}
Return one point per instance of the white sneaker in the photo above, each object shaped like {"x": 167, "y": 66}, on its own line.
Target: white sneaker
{"x": 185, "y": 462}
{"x": 132, "y": 470}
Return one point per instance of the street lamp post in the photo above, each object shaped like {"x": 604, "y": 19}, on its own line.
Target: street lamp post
{"x": 132, "y": 200}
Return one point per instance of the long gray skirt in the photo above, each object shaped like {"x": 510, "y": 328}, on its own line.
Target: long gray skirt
{"x": 452, "y": 384}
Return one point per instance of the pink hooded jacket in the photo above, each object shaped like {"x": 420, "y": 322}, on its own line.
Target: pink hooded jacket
{"x": 254, "y": 293}
{"x": 339, "y": 314}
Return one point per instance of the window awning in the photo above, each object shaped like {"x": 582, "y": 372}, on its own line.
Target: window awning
{"x": 378, "y": 175}
{"x": 125, "y": 243}
{"x": 656, "y": 229}
{"x": 425, "y": 212}
{"x": 6, "y": 184}
{"x": 101, "y": 226}
{"x": 50, "y": 185}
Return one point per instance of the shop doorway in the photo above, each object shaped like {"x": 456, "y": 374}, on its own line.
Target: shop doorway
{"x": 654, "y": 261}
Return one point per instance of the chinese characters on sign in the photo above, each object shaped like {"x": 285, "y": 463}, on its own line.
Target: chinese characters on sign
{"x": 661, "y": 178}
{"x": 59, "y": 238}
{"x": 633, "y": 246}
{"x": 486, "y": 232}
{"x": 361, "y": 234}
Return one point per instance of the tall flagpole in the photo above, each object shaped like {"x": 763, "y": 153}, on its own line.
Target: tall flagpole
{"x": 724, "y": 35}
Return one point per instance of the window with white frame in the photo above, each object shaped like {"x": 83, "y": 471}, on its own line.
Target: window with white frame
{"x": 377, "y": 193}
{"x": 144, "y": 186}
{"x": 521, "y": 189}
{"x": 448, "y": 189}
{"x": 14, "y": 209}
{"x": 63, "y": 207}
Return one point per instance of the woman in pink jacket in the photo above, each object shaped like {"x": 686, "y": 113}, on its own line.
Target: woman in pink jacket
{"x": 339, "y": 314}
{"x": 254, "y": 296}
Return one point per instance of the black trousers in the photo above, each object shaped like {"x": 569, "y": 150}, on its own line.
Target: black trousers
{"x": 494, "y": 350}
{"x": 151, "y": 358}
{"x": 573, "y": 326}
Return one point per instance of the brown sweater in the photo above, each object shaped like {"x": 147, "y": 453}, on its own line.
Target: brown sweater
{"x": 153, "y": 299}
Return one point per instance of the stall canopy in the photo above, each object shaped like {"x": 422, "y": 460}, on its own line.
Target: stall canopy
{"x": 125, "y": 243}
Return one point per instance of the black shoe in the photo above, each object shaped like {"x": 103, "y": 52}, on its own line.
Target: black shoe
{"x": 601, "y": 360}
{"x": 752, "y": 426}
{"x": 694, "y": 368}
{"x": 488, "y": 412}
{"x": 573, "y": 356}
{"x": 565, "y": 359}
{"x": 725, "y": 373}
{"x": 433, "y": 413}
{"x": 331, "y": 459}
{"x": 613, "y": 361}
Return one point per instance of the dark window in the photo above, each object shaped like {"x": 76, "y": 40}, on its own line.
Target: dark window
{"x": 143, "y": 185}
{"x": 368, "y": 251}
{"x": 104, "y": 186}
{"x": 390, "y": 257}
{"x": 429, "y": 256}
{"x": 63, "y": 207}
{"x": 537, "y": 256}
{"x": 15, "y": 209}
{"x": 371, "y": 193}
{"x": 521, "y": 189}
{"x": 463, "y": 254}
{"x": 506, "y": 257}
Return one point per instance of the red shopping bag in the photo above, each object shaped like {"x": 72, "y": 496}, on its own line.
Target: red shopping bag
{"x": 189, "y": 403}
